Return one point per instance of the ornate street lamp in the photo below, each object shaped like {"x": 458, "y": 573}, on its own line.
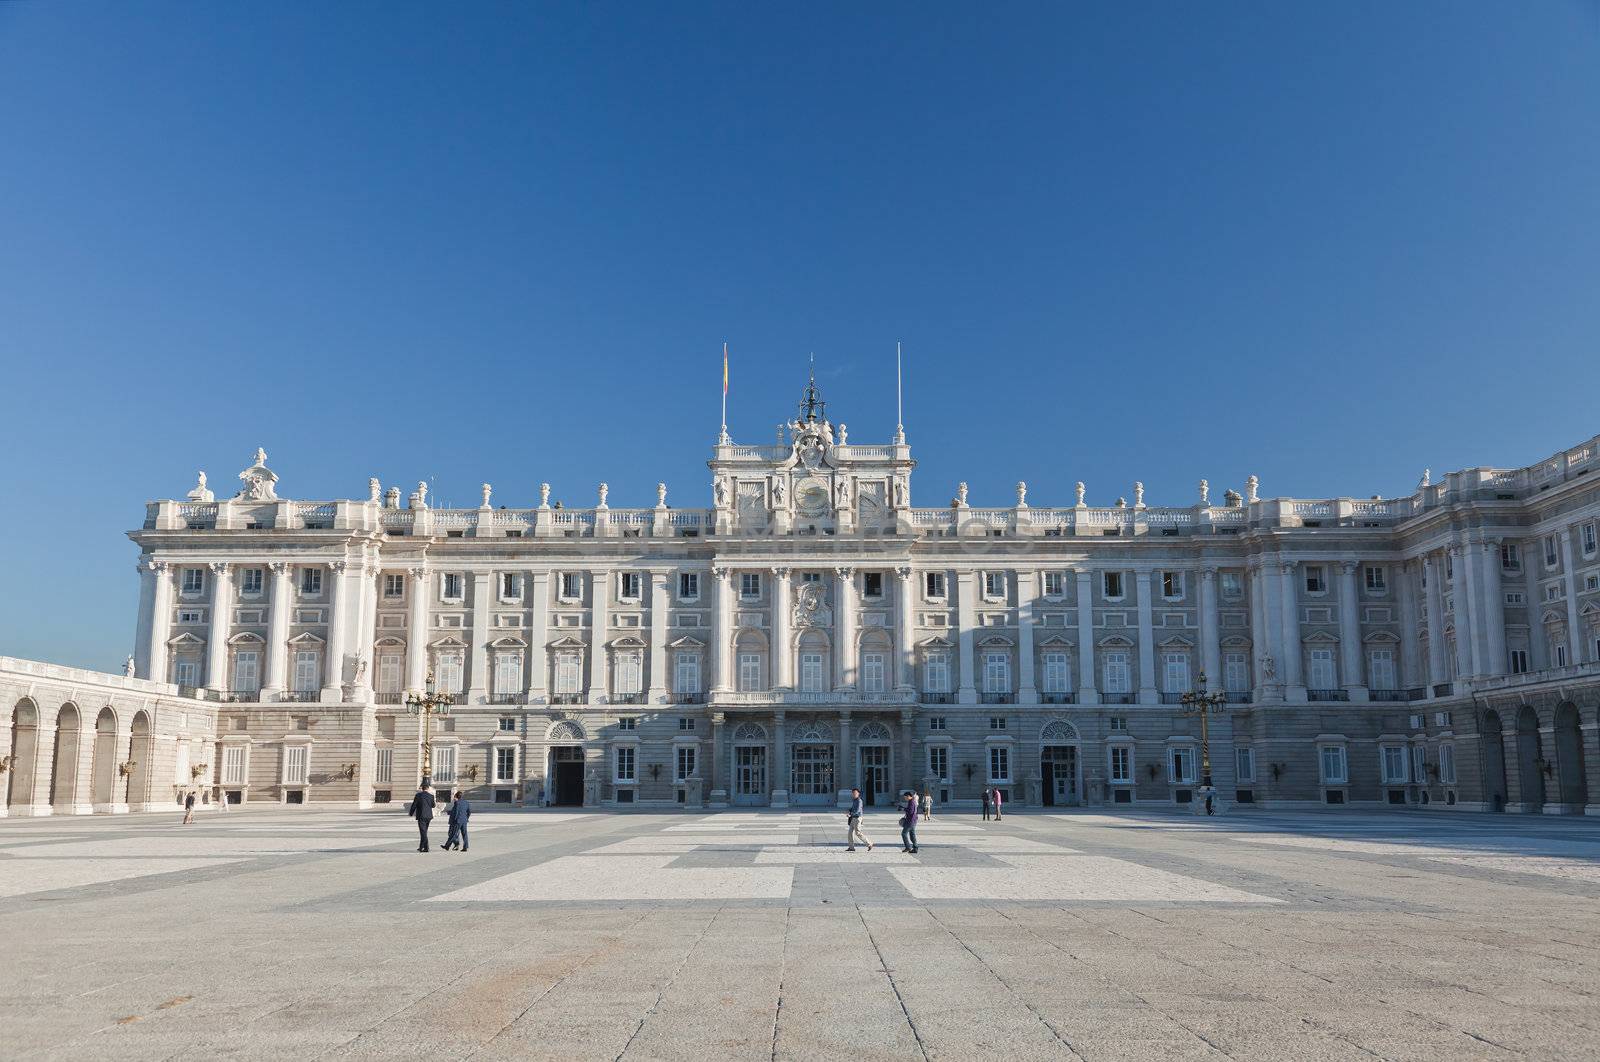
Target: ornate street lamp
{"x": 1199, "y": 702}
{"x": 428, "y": 703}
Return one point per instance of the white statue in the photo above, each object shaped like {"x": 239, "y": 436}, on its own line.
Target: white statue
{"x": 899, "y": 493}
{"x": 720, "y": 491}
{"x": 260, "y": 483}
{"x": 200, "y": 493}
{"x": 544, "y": 495}
{"x": 661, "y": 495}
{"x": 604, "y": 490}
{"x": 961, "y": 494}
{"x": 127, "y": 666}
{"x": 844, "y": 432}
{"x": 1138, "y": 495}
{"x": 1022, "y": 494}
{"x": 391, "y": 500}
{"x": 1205, "y": 493}
{"x": 780, "y": 434}
{"x": 261, "y": 457}
{"x": 1079, "y": 489}
{"x": 1427, "y": 478}
{"x": 777, "y": 493}
{"x": 842, "y": 492}
{"x": 1122, "y": 503}
{"x": 485, "y": 496}
{"x": 1251, "y": 487}
{"x": 374, "y": 490}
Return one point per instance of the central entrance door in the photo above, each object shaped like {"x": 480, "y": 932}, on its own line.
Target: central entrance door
{"x": 1058, "y": 768}
{"x": 750, "y": 774}
{"x": 568, "y": 788}
{"x": 811, "y": 774}
{"x": 875, "y": 774}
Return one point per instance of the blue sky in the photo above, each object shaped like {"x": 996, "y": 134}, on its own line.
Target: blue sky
{"x": 1328, "y": 244}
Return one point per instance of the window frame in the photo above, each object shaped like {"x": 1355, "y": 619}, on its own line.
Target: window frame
{"x": 929, "y": 579}
{"x": 1342, "y": 777}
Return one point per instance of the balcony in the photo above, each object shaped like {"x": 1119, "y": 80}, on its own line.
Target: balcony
{"x": 506, "y": 698}
{"x": 689, "y": 698}
{"x": 1388, "y": 695}
{"x": 1117, "y": 698}
{"x": 300, "y": 696}
{"x": 567, "y": 698}
{"x": 820, "y": 698}
{"x": 1444, "y": 689}
{"x": 1171, "y": 698}
{"x": 942, "y": 697}
{"x": 636, "y": 697}
{"x": 1327, "y": 695}
{"x": 389, "y": 697}
{"x": 1239, "y": 696}
{"x": 1058, "y": 698}
{"x": 1006, "y": 697}
{"x": 240, "y": 696}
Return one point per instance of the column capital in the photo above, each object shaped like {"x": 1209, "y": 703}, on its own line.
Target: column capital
{"x": 1287, "y": 567}
{"x": 845, "y": 572}
{"x": 155, "y": 566}
{"x": 1348, "y": 567}
{"x": 908, "y": 716}
{"x": 1208, "y": 571}
{"x": 418, "y": 574}
{"x": 718, "y": 718}
{"x": 904, "y": 571}
{"x": 778, "y": 717}
{"x": 721, "y": 571}
{"x": 339, "y": 566}
{"x": 781, "y": 572}
{"x": 219, "y": 568}
{"x": 279, "y": 567}
{"x": 844, "y": 718}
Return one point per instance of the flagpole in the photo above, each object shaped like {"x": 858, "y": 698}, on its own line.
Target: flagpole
{"x": 723, "y": 436}
{"x": 899, "y": 404}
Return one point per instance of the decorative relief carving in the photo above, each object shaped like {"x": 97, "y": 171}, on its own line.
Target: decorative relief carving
{"x": 811, "y": 607}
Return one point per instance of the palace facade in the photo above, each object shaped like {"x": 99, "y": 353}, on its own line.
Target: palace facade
{"x": 813, "y": 630}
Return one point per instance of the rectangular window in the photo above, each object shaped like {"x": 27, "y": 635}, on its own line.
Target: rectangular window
{"x": 1316, "y": 579}
{"x": 629, "y": 678}
{"x": 1236, "y": 672}
{"x": 685, "y": 762}
{"x": 510, "y": 586}
{"x": 1057, "y": 673}
{"x": 1244, "y": 764}
{"x": 997, "y": 722}
{"x": 1393, "y": 759}
{"x": 508, "y": 673}
{"x": 1377, "y": 579}
{"x": 1560, "y": 654}
{"x": 1180, "y": 764}
{"x": 1322, "y": 670}
{"x": 1119, "y": 724}
{"x": 1549, "y": 551}
{"x": 1588, "y": 538}
{"x": 1232, "y": 584}
{"x": 686, "y": 672}
{"x": 1510, "y": 557}
{"x": 450, "y": 584}
{"x": 186, "y": 672}
{"x": 444, "y": 765}
{"x": 233, "y": 765}
{"x": 247, "y": 671}
{"x": 939, "y": 762}
{"x": 1175, "y": 667}
{"x": 194, "y": 581}
{"x": 1419, "y": 764}
{"x": 749, "y": 585}
{"x": 394, "y": 586}
{"x": 1519, "y": 661}
{"x": 933, "y": 584}
{"x": 449, "y": 672}
{"x": 686, "y": 723}
{"x": 812, "y": 679}
{"x": 628, "y": 722}
{"x": 1111, "y": 586}
{"x": 936, "y": 722}
{"x": 1172, "y": 585}
{"x": 1447, "y": 764}
{"x": 383, "y": 772}
{"x": 294, "y": 765}
{"x": 999, "y": 763}
{"x": 994, "y": 584}
{"x": 569, "y": 667}
{"x": 1115, "y": 666}
{"x": 811, "y": 577}
{"x": 1121, "y": 763}
{"x": 1333, "y": 765}
{"x": 1055, "y": 584}
{"x": 305, "y": 671}
{"x": 936, "y": 673}
{"x": 1380, "y": 670}
{"x": 508, "y": 724}
{"x": 391, "y": 669}
{"x": 310, "y": 581}
{"x": 996, "y": 672}
{"x": 505, "y": 764}
{"x": 872, "y": 668}
{"x": 250, "y": 582}
{"x": 688, "y": 586}
{"x": 571, "y": 586}
{"x": 749, "y": 671}
{"x": 628, "y": 586}
{"x": 871, "y": 584}
{"x": 625, "y": 756}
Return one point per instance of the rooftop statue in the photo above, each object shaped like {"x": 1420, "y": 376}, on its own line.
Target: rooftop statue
{"x": 260, "y": 482}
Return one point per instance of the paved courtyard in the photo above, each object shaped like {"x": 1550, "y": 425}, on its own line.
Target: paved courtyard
{"x": 296, "y": 933}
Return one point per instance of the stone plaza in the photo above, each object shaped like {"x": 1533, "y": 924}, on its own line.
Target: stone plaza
{"x": 270, "y": 933}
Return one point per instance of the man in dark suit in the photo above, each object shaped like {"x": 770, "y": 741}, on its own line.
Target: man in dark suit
{"x": 460, "y": 811}
{"x": 422, "y": 810}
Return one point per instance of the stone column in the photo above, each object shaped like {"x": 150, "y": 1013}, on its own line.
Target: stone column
{"x": 1088, "y": 692}
{"x": 338, "y": 622}
{"x": 844, "y": 619}
{"x": 1494, "y": 607}
{"x": 217, "y": 634}
{"x": 966, "y": 634}
{"x": 908, "y": 733}
{"x": 278, "y": 628}
{"x": 780, "y": 761}
{"x": 1569, "y": 576}
{"x": 1293, "y": 666}
{"x": 782, "y": 650}
{"x": 599, "y": 635}
{"x": 1462, "y": 597}
{"x": 1350, "y": 662}
{"x": 142, "y": 656}
{"x": 160, "y": 621}
{"x": 721, "y": 631}
{"x": 1027, "y": 593}
{"x": 364, "y": 634}
{"x": 904, "y": 629}
{"x": 1408, "y": 674}
{"x": 1260, "y": 637}
{"x": 1469, "y": 610}
{"x": 538, "y": 649}
{"x": 1147, "y": 649}
{"x": 1438, "y": 667}
{"x": 844, "y": 776}
{"x": 719, "y": 769}
{"x": 658, "y": 638}
{"x": 483, "y": 594}
{"x": 1538, "y": 647}
{"x": 1210, "y": 632}
{"x": 417, "y": 629}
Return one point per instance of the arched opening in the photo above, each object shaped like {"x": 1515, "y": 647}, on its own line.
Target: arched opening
{"x": 1569, "y": 758}
{"x": 750, "y": 661}
{"x": 103, "y": 771}
{"x": 1494, "y": 763}
{"x": 24, "y": 751}
{"x": 874, "y": 754}
{"x": 814, "y": 667}
{"x": 564, "y": 765}
{"x": 876, "y": 671}
{"x": 1530, "y": 761}
{"x": 64, "y": 775}
{"x": 750, "y": 764}
{"x": 141, "y": 749}
{"x": 1058, "y": 764}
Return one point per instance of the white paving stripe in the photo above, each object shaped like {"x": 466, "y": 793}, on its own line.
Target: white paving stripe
{"x": 640, "y": 877}
{"x": 22, "y": 875}
{"x": 192, "y": 845}
{"x": 1066, "y": 878}
{"x": 1585, "y": 871}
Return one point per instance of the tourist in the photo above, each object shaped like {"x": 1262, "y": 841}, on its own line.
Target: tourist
{"x": 460, "y": 811}
{"x": 421, "y": 809}
{"x": 908, "y": 824}
{"x": 987, "y": 803}
{"x": 222, "y": 799}
{"x": 926, "y": 807}
{"x": 188, "y": 808}
{"x": 998, "y": 801}
{"x": 853, "y": 823}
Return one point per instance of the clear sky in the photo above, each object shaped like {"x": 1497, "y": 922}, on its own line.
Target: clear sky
{"x": 1328, "y": 244}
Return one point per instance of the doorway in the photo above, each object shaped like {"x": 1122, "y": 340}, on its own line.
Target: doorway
{"x": 1494, "y": 762}
{"x": 1530, "y": 761}
{"x": 749, "y": 774}
{"x": 566, "y": 790}
{"x": 1058, "y": 768}
{"x": 875, "y": 775}
{"x": 811, "y": 774}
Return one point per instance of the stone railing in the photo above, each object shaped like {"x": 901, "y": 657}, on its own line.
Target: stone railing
{"x": 866, "y": 453}
{"x": 1572, "y": 673}
{"x": 39, "y": 670}
{"x": 789, "y": 698}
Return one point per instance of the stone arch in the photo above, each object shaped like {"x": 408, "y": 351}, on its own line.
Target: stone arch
{"x": 1058, "y": 732}
{"x": 1530, "y": 761}
{"x": 750, "y": 733}
{"x": 141, "y": 751}
{"x": 875, "y": 733}
{"x": 64, "y": 772}
{"x": 24, "y": 753}
{"x": 564, "y": 732}
{"x": 1494, "y": 762}
{"x": 103, "y": 771}
{"x": 813, "y": 732}
{"x": 1569, "y": 757}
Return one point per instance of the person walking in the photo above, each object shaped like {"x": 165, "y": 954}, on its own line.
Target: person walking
{"x": 987, "y": 803}
{"x": 460, "y": 811}
{"x": 926, "y": 805}
{"x": 422, "y": 810}
{"x": 188, "y": 808}
{"x": 222, "y": 799}
{"x": 998, "y": 801}
{"x": 852, "y": 823}
{"x": 908, "y": 824}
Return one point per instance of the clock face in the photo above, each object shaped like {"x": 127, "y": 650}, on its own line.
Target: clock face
{"x": 811, "y": 497}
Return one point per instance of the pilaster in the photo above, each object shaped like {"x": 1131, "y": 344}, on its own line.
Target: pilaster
{"x": 1350, "y": 662}
{"x": 1027, "y": 594}
{"x": 658, "y": 635}
{"x": 217, "y": 633}
{"x": 338, "y": 633}
{"x": 278, "y": 610}
{"x": 1088, "y": 691}
{"x": 478, "y": 678}
{"x": 1210, "y": 629}
{"x": 966, "y": 636}
{"x": 1147, "y": 649}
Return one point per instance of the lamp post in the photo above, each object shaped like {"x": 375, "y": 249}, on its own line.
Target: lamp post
{"x": 1199, "y": 702}
{"x": 428, "y": 703}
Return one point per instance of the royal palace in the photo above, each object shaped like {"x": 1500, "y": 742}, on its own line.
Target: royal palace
{"x": 813, "y": 630}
